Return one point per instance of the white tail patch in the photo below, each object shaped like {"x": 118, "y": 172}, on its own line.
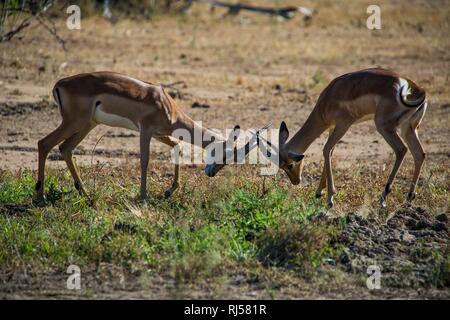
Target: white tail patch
{"x": 404, "y": 87}
{"x": 113, "y": 120}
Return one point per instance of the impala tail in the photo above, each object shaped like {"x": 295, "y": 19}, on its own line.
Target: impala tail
{"x": 411, "y": 95}
{"x": 57, "y": 97}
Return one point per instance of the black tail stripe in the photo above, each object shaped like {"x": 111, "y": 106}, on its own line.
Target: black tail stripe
{"x": 59, "y": 99}
{"x": 409, "y": 105}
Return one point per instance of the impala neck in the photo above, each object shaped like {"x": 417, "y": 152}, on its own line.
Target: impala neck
{"x": 194, "y": 129}
{"x": 310, "y": 131}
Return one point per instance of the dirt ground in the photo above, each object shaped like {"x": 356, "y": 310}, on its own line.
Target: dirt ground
{"x": 248, "y": 69}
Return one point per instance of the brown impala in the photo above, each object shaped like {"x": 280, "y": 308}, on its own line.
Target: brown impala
{"x": 392, "y": 101}
{"x": 117, "y": 100}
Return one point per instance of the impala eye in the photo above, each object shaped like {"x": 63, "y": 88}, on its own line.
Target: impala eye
{"x": 290, "y": 166}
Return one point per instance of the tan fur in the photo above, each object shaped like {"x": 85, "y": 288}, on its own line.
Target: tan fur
{"x": 113, "y": 99}
{"x": 392, "y": 101}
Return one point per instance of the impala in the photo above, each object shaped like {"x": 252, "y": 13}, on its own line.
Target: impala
{"x": 394, "y": 102}
{"x": 117, "y": 100}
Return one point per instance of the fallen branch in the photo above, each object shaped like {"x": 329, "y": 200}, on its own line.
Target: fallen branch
{"x": 173, "y": 84}
{"x": 175, "y": 93}
{"x": 235, "y": 8}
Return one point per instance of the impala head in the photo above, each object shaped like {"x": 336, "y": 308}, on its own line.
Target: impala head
{"x": 230, "y": 151}
{"x": 290, "y": 161}
{"x": 227, "y": 153}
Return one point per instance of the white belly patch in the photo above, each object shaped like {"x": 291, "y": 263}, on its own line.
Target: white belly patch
{"x": 113, "y": 120}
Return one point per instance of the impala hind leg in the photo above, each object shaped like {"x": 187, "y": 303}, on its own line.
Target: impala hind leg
{"x": 390, "y": 134}
{"x": 145, "y": 137}
{"x": 64, "y": 131}
{"x": 414, "y": 145}
{"x": 338, "y": 132}
{"x": 66, "y": 149}
{"x": 176, "y": 178}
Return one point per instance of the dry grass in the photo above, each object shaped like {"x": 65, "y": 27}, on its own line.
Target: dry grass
{"x": 218, "y": 237}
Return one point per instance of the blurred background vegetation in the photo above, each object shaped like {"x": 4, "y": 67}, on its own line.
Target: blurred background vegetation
{"x": 145, "y": 8}
{"x": 16, "y": 15}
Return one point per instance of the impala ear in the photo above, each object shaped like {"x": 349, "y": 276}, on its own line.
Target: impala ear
{"x": 284, "y": 133}
{"x": 295, "y": 156}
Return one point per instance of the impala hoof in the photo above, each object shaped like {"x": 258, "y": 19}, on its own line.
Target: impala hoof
{"x": 330, "y": 204}
{"x": 79, "y": 187}
{"x": 168, "y": 193}
{"x": 140, "y": 199}
{"x": 383, "y": 203}
{"x": 38, "y": 185}
{"x": 411, "y": 196}
{"x": 91, "y": 202}
{"x": 321, "y": 216}
{"x": 39, "y": 202}
{"x": 318, "y": 195}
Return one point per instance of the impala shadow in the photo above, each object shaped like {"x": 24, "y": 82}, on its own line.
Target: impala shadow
{"x": 13, "y": 209}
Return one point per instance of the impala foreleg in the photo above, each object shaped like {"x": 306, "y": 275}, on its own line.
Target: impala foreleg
{"x": 334, "y": 138}
{"x": 323, "y": 178}
{"x": 175, "y": 182}
{"x": 322, "y": 183}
